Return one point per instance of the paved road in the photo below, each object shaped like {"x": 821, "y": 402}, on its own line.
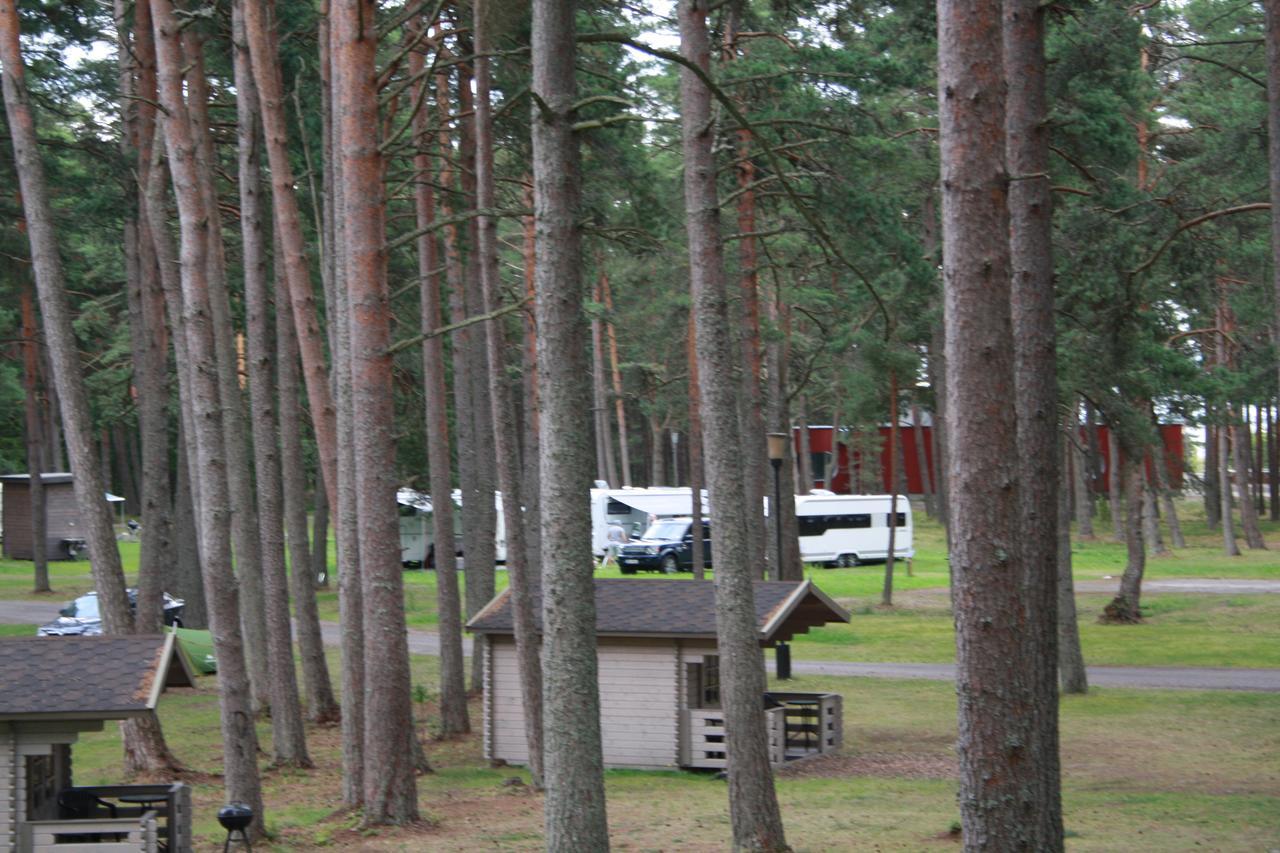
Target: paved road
{"x": 1158, "y": 677}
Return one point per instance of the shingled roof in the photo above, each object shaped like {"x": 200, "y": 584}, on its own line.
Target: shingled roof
{"x": 82, "y": 678}
{"x": 680, "y": 608}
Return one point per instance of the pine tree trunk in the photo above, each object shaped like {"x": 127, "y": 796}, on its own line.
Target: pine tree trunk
{"x": 1127, "y": 605}
{"x": 1150, "y": 519}
{"x": 1115, "y": 485}
{"x": 1272, "y": 17}
{"x": 1002, "y": 801}
{"x": 787, "y": 566}
{"x": 34, "y": 441}
{"x": 1212, "y": 478}
{"x": 606, "y": 467}
{"x": 1071, "y": 669}
{"x": 453, "y": 686}
{"x": 390, "y": 794}
{"x": 1080, "y": 474}
{"x": 697, "y": 470}
{"x": 1273, "y": 457}
{"x": 1244, "y": 486}
{"x": 938, "y": 379}
{"x": 288, "y": 736}
{"x": 213, "y": 505}
{"x": 922, "y": 460}
{"x": 188, "y": 583}
{"x": 1225, "y": 516}
{"x": 261, "y": 38}
{"x": 505, "y": 424}
{"x": 615, "y": 372}
{"x": 753, "y": 805}
{"x": 574, "y": 807}
{"x": 322, "y": 705}
{"x": 886, "y": 589}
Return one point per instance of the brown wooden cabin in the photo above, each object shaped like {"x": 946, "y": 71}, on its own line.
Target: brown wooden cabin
{"x": 54, "y": 688}
{"x": 659, "y": 674}
{"x": 64, "y": 532}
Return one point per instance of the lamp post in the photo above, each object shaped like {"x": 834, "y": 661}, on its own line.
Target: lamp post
{"x": 777, "y": 452}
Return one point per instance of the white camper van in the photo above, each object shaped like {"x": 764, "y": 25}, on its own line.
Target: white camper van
{"x": 634, "y": 509}
{"x": 416, "y": 534}
{"x": 845, "y": 530}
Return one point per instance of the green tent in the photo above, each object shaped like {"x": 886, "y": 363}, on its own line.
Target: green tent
{"x": 198, "y": 647}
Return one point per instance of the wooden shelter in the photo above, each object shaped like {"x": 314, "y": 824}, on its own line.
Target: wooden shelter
{"x": 659, "y": 674}
{"x": 64, "y": 535}
{"x": 56, "y": 688}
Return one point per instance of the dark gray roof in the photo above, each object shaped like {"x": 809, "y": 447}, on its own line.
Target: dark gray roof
{"x": 680, "y": 608}
{"x": 104, "y": 677}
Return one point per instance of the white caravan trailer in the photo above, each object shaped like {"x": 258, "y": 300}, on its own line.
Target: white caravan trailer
{"x": 845, "y": 530}
{"x": 634, "y": 509}
{"x": 416, "y": 535}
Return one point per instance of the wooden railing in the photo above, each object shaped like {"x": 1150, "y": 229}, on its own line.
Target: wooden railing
{"x": 142, "y": 819}
{"x": 798, "y": 725}
{"x": 91, "y": 835}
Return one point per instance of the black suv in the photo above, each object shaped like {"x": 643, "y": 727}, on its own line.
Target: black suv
{"x": 667, "y": 547}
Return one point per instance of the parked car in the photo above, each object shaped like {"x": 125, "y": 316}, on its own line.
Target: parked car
{"x": 667, "y": 547}
{"x": 82, "y": 618}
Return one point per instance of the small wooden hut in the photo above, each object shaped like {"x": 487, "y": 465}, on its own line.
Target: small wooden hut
{"x": 56, "y": 688}
{"x": 660, "y": 678}
{"x": 64, "y": 535}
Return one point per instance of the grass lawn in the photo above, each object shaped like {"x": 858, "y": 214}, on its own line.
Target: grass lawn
{"x": 1142, "y": 770}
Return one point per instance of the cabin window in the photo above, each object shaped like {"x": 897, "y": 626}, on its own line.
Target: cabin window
{"x": 616, "y": 508}
{"x": 704, "y": 682}
{"x": 42, "y": 784}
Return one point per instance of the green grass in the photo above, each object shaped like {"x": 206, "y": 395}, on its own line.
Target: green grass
{"x": 1168, "y": 770}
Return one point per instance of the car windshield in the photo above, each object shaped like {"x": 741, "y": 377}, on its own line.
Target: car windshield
{"x": 667, "y": 530}
{"x": 84, "y": 607}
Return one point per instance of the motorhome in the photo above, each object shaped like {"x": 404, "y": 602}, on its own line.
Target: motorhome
{"x": 635, "y": 509}
{"x": 845, "y": 530}
{"x": 417, "y": 537}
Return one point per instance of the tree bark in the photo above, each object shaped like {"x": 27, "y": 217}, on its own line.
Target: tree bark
{"x": 1115, "y": 484}
{"x": 1127, "y": 605}
{"x": 753, "y": 804}
{"x": 322, "y": 705}
{"x": 261, "y": 38}
{"x": 390, "y": 791}
{"x": 453, "y": 687}
{"x": 240, "y": 742}
{"x": 922, "y": 460}
{"x": 787, "y": 566}
{"x": 1150, "y": 518}
{"x": 1212, "y": 478}
{"x": 34, "y": 441}
{"x": 1272, "y": 13}
{"x": 615, "y": 372}
{"x": 1225, "y": 516}
{"x": 320, "y": 536}
{"x": 1244, "y": 486}
{"x": 697, "y": 470}
{"x": 505, "y": 426}
{"x": 1071, "y": 669}
{"x": 574, "y": 807}
{"x": 606, "y": 465}
{"x": 1080, "y": 474}
{"x": 1002, "y": 800}
{"x": 1036, "y": 387}
{"x": 236, "y": 443}
{"x": 288, "y": 736}
{"x": 886, "y": 590}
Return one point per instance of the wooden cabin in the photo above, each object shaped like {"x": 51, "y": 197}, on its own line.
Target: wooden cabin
{"x": 64, "y": 535}
{"x": 56, "y": 688}
{"x": 660, "y": 677}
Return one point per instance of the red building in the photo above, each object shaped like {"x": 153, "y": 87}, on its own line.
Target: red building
{"x": 860, "y": 478}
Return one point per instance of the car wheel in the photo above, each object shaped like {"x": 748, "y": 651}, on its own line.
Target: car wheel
{"x": 669, "y": 564}
{"x": 627, "y": 570}
{"x": 847, "y": 561}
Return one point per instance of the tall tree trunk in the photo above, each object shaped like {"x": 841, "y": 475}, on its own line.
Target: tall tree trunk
{"x": 505, "y": 425}
{"x": 34, "y": 441}
{"x": 1071, "y": 669}
{"x": 1002, "y": 801}
{"x": 606, "y": 467}
{"x": 941, "y": 440}
{"x": 59, "y": 335}
{"x": 288, "y": 736}
{"x": 788, "y": 565}
{"x": 240, "y": 742}
{"x": 453, "y": 687}
{"x": 1127, "y": 605}
{"x": 236, "y": 444}
{"x": 479, "y": 490}
{"x": 1244, "y": 487}
{"x": 1035, "y": 390}
{"x": 1212, "y": 478}
{"x": 1225, "y": 515}
{"x": 804, "y": 457}
{"x": 574, "y": 774}
{"x": 188, "y": 583}
{"x": 753, "y": 804}
{"x": 922, "y": 460}
{"x": 1115, "y": 484}
{"x": 322, "y": 705}
{"x": 615, "y": 372}
{"x": 886, "y": 590}
{"x": 1150, "y": 515}
{"x": 1273, "y": 457}
{"x": 1272, "y": 12}
{"x": 292, "y": 252}
{"x": 390, "y": 792}
{"x": 697, "y": 470}
{"x": 1080, "y": 473}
